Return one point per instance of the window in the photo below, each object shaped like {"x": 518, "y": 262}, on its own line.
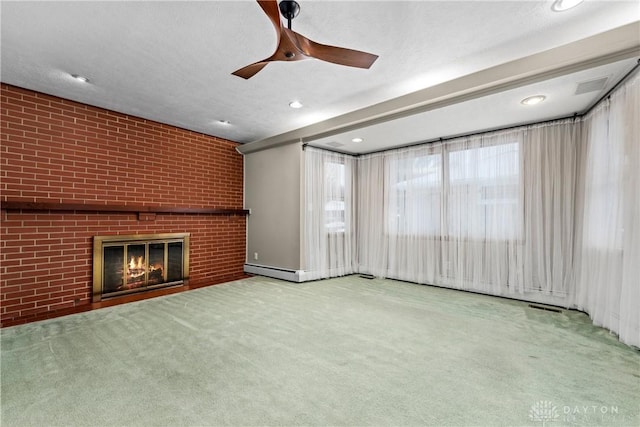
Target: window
{"x": 415, "y": 194}
{"x": 334, "y": 206}
{"x": 474, "y": 193}
{"x": 484, "y": 188}
{"x": 604, "y": 188}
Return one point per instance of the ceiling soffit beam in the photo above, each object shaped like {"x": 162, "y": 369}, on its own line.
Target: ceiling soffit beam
{"x": 604, "y": 48}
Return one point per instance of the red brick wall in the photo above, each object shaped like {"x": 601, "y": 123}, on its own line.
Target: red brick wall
{"x": 55, "y": 150}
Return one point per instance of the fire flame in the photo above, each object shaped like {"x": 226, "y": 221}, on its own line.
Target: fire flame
{"x": 136, "y": 263}
{"x": 137, "y": 268}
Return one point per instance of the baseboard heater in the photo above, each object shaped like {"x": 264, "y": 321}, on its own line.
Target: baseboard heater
{"x": 545, "y": 308}
{"x": 275, "y": 272}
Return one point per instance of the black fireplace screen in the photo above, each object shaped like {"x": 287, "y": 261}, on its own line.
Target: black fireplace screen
{"x": 125, "y": 264}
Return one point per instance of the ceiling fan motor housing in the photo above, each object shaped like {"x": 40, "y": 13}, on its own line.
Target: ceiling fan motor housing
{"x": 289, "y": 9}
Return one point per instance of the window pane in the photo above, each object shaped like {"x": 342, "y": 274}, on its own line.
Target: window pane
{"x": 484, "y": 192}
{"x": 603, "y": 190}
{"x": 334, "y": 197}
{"x": 415, "y": 195}
{"x": 175, "y": 261}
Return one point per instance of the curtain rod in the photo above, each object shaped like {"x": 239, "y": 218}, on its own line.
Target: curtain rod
{"x": 574, "y": 116}
{"x": 304, "y": 146}
{"x": 449, "y": 138}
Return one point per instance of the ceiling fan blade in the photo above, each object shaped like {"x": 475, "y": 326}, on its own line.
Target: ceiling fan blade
{"x": 270, "y": 7}
{"x": 337, "y": 55}
{"x": 250, "y": 70}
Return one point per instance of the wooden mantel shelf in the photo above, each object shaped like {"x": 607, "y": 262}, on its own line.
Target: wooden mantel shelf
{"x": 85, "y": 207}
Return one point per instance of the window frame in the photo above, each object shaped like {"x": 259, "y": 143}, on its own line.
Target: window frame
{"x": 443, "y": 231}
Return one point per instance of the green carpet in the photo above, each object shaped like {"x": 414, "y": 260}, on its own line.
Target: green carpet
{"x": 347, "y": 351}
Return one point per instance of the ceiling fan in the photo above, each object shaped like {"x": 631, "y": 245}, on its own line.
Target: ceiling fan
{"x": 295, "y": 47}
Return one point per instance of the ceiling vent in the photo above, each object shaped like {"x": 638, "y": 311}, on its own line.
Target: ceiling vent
{"x": 591, "y": 85}
{"x": 334, "y": 144}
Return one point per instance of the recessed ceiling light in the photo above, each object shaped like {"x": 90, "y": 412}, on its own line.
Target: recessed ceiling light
{"x": 357, "y": 140}
{"x": 80, "y": 78}
{"x": 295, "y": 104}
{"x": 562, "y": 5}
{"x": 533, "y": 100}
{"x": 224, "y": 122}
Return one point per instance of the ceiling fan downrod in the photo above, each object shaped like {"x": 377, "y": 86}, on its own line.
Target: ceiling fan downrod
{"x": 289, "y": 9}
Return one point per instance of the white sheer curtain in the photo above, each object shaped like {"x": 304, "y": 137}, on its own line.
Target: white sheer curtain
{"x": 490, "y": 213}
{"x": 550, "y": 168}
{"x": 608, "y": 277}
{"x": 413, "y": 210}
{"x": 547, "y": 213}
{"x": 329, "y": 214}
{"x": 483, "y": 223}
{"x": 372, "y": 244}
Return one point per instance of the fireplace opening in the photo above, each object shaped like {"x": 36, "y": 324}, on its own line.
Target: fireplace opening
{"x": 127, "y": 264}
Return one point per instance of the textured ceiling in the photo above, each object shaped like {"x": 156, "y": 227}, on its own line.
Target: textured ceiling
{"x": 172, "y": 61}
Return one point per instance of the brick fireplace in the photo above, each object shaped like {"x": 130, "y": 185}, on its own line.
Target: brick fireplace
{"x": 71, "y": 172}
{"x": 126, "y": 264}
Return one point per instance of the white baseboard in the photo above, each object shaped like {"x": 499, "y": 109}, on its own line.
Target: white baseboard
{"x": 275, "y": 272}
